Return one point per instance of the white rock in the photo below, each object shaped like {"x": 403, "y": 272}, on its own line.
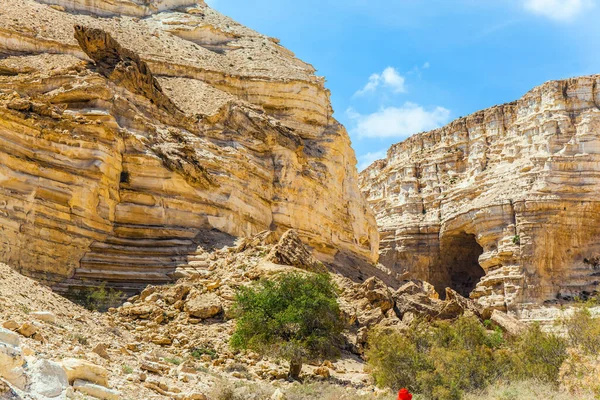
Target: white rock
{"x": 9, "y": 337}
{"x": 278, "y": 395}
{"x": 70, "y": 392}
{"x": 47, "y": 378}
{"x": 94, "y": 390}
{"x": 43, "y": 316}
{"x": 84, "y": 370}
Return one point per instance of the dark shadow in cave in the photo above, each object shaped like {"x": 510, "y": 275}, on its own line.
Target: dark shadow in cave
{"x": 459, "y": 263}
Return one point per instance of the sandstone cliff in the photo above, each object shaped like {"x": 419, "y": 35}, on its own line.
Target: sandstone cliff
{"x": 503, "y": 204}
{"x": 127, "y": 143}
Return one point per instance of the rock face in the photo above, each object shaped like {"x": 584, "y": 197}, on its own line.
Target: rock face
{"x": 126, "y": 143}
{"x": 503, "y": 204}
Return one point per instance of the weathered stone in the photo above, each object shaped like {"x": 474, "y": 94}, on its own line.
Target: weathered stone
{"x": 162, "y": 340}
{"x": 43, "y": 316}
{"x": 10, "y": 325}
{"x": 47, "y": 378}
{"x": 203, "y": 305}
{"x": 291, "y": 251}
{"x": 11, "y": 362}
{"x": 100, "y": 349}
{"x": 323, "y": 372}
{"x": 9, "y": 337}
{"x": 507, "y": 323}
{"x": 278, "y": 395}
{"x": 84, "y": 370}
{"x": 27, "y": 329}
{"x": 153, "y": 367}
{"x": 378, "y": 294}
{"x": 97, "y": 391}
{"x": 7, "y": 392}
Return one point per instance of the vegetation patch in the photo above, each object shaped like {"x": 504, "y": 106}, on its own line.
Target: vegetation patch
{"x": 295, "y": 317}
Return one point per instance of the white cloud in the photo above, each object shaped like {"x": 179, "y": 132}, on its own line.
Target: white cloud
{"x": 558, "y": 10}
{"x": 426, "y": 65}
{"x": 398, "y": 122}
{"x": 388, "y": 78}
{"x": 367, "y": 159}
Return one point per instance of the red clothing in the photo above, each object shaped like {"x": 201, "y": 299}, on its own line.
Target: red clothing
{"x": 404, "y": 394}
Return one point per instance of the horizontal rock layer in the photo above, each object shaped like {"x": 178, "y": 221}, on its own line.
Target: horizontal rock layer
{"x": 502, "y": 204}
{"x": 98, "y": 183}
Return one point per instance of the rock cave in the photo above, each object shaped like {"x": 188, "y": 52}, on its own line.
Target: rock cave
{"x": 459, "y": 263}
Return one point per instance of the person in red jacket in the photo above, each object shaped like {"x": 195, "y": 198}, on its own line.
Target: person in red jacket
{"x": 404, "y": 394}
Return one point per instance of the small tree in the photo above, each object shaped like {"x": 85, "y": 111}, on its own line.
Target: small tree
{"x": 295, "y": 317}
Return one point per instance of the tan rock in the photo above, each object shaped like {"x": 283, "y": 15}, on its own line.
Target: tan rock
{"x": 100, "y": 349}
{"x": 27, "y": 329}
{"x": 507, "y": 323}
{"x": 203, "y": 305}
{"x": 84, "y": 370}
{"x": 291, "y": 251}
{"x": 162, "y": 340}
{"x": 97, "y": 391}
{"x": 11, "y": 361}
{"x": 10, "y": 325}
{"x": 43, "y": 316}
{"x": 322, "y": 371}
{"x": 153, "y": 367}
{"x": 9, "y": 337}
{"x": 378, "y": 294}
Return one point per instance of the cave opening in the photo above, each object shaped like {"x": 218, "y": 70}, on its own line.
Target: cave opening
{"x": 460, "y": 263}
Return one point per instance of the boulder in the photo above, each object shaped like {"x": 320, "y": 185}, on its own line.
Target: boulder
{"x": 84, "y": 370}
{"x": 291, "y": 251}
{"x": 47, "y": 378}
{"x": 176, "y": 293}
{"x": 11, "y": 362}
{"x": 9, "y": 337}
{"x": 7, "y": 392}
{"x": 378, "y": 294}
{"x": 10, "y": 325}
{"x": 100, "y": 349}
{"x": 278, "y": 395}
{"x": 203, "y": 305}
{"x": 27, "y": 329}
{"x": 43, "y": 316}
{"x": 507, "y": 323}
{"x": 141, "y": 310}
{"x": 97, "y": 391}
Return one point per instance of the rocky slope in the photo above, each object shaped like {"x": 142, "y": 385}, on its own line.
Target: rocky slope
{"x": 502, "y": 204}
{"x": 133, "y": 133}
{"x": 172, "y": 341}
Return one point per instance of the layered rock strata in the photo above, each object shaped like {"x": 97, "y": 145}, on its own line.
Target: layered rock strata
{"x": 503, "y": 204}
{"x": 127, "y": 144}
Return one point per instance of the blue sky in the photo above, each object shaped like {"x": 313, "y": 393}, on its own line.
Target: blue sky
{"x": 399, "y": 67}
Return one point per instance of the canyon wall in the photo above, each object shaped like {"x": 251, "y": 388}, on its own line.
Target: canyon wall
{"x": 123, "y": 154}
{"x": 504, "y": 204}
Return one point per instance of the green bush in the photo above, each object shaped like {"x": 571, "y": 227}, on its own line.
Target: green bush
{"x": 584, "y": 331}
{"x": 295, "y": 317}
{"x": 444, "y": 360}
{"x": 198, "y": 352}
{"x": 98, "y": 298}
{"x": 538, "y": 355}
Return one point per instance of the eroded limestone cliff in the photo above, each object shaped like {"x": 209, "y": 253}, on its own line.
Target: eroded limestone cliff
{"x": 126, "y": 143}
{"x": 503, "y": 204}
